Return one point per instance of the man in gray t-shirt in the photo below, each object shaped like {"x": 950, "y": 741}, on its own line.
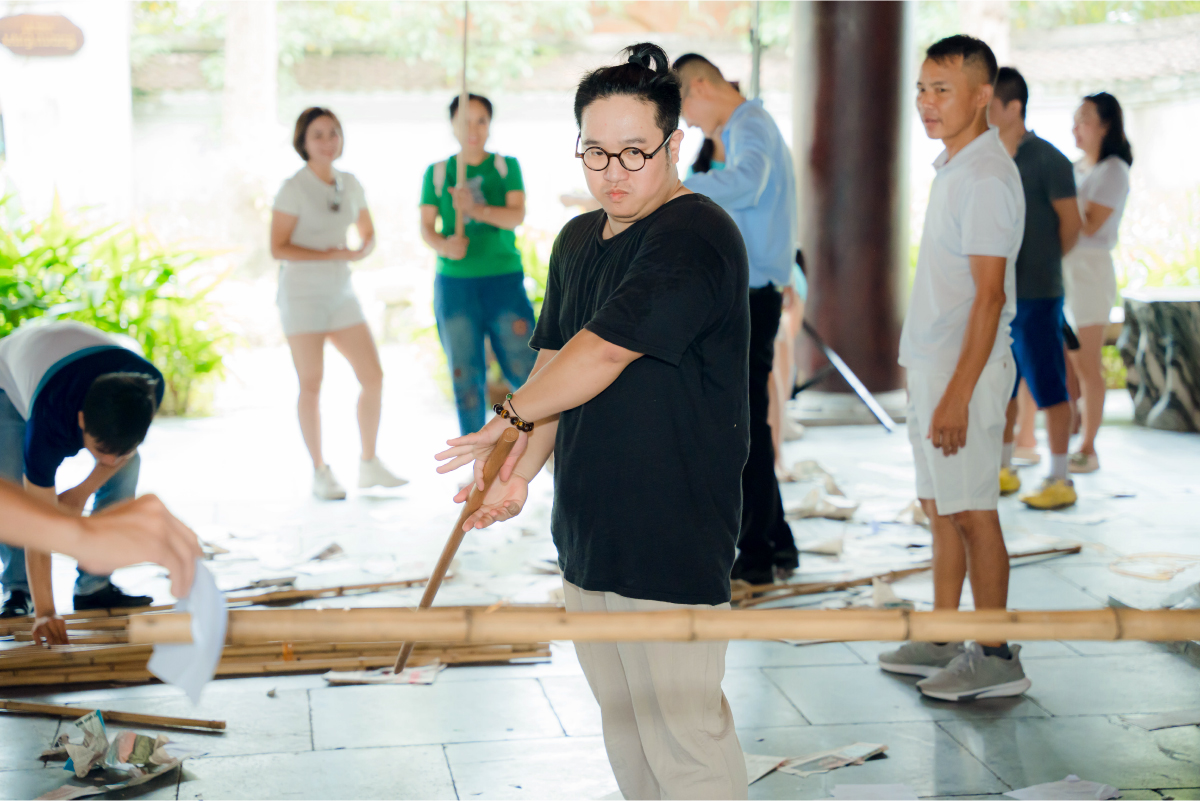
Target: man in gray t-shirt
{"x": 1051, "y": 229}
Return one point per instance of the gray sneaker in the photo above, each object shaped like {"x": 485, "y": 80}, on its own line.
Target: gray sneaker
{"x": 920, "y": 658}
{"x": 975, "y": 675}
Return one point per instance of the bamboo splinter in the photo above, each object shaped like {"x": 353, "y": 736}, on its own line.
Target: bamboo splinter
{"x": 491, "y": 469}
{"x": 476, "y": 625}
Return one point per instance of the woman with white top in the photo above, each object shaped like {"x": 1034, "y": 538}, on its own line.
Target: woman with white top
{"x": 316, "y": 300}
{"x": 1089, "y": 279}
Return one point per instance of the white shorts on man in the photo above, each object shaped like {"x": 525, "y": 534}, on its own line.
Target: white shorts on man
{"x": 976, "y": 208}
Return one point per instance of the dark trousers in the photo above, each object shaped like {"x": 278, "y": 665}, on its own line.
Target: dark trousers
{"x": 766, "y": 538}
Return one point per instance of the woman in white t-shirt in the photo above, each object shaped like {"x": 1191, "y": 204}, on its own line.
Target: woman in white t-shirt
{"x": 1089, "y": 279}
{"x": 312, "y": 212}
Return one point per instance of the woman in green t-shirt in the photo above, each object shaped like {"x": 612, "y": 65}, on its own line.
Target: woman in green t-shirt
{"x": 480, "y": 285}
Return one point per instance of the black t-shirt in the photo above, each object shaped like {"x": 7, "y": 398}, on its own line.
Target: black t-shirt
{"x": 647, "y": 475}
{"x": 52, "y": 432}
{"x": 1047, "y": 176}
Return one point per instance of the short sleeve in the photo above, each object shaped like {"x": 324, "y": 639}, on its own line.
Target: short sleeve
{"x": 514, "y": 182}
{"x": 428, "y": 195}
{"x": 667, "y": 296}
{"x": 991, "y": 224}
{"x": 287, "y": 201}
{"x": 353, "y": 185}
{"x": 1109, "y": 183}
{"x": 1060, "y": 175}
{"x": 547, "y": 334}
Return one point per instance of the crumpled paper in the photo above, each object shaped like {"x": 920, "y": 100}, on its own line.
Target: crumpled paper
{"x": 133, "y": 758}
{"x": 422, "y": 674}
{"x": 820, "y": 503}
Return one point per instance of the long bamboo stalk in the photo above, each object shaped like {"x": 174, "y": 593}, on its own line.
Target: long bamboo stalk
{"x": 757, "y": 594}
{"x": 464, "y": 110}
{"x": 476, "y": 626}
{"x": 60, "y": 711}
{"x": 135, "y": 673}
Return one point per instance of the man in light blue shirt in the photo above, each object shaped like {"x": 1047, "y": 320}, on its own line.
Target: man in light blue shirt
{"x": 758, "y": 189}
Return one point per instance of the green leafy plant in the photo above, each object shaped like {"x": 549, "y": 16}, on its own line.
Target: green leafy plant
{"x": 121, "y": 281}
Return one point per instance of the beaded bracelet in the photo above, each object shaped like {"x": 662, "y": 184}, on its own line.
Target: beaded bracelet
{"x": 514, "y": 418}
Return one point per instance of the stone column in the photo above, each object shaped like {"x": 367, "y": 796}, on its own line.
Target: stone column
{"x": 852, "y": 92}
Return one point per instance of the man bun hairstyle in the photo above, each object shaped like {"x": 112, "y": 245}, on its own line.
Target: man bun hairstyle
{"x": 973, "y": 52}
{"x": 117, "y": 410}
{"x": 487, "y": 104}
{"x": 645, "y": 75}
{"x": 1114, "y": 142}
{"x": 1010, "y": 85}
{"x": 307, "y": 118}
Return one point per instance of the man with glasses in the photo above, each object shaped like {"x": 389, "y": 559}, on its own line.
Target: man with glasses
{"x": 758, "y": 190}
{"x": 66, "y": 386}
{"x": 639, "y": 389}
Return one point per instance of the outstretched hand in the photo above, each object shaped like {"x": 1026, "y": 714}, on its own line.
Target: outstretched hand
{"x": 142, "y": 530}
{"x": 504, "y": 501}
{"x": 477, "y": 447}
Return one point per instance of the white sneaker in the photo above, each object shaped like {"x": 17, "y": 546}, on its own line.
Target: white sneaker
{"x": 373, "y": 474}
{"x": 325, "y": 486}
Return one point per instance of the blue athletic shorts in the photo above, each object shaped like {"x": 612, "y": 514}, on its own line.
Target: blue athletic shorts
{"x": 1037, "y": 333}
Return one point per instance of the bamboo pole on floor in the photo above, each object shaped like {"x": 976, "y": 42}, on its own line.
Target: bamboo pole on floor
{"x": 757, "y": 594}
{"x": 477, "y": 626}
{"x": 60, "y": 711}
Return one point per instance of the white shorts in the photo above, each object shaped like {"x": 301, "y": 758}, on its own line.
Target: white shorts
{"x": 317, "y": 303}
{"x": 970, "y": 479}
{"x": 1090, "y": 285}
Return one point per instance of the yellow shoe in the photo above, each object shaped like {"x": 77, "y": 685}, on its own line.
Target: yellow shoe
{"x": 1053, "y": 494}
{"x": 1010, "y": 482}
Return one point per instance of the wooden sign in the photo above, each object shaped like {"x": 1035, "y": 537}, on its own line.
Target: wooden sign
{"x": 40, "y": 35}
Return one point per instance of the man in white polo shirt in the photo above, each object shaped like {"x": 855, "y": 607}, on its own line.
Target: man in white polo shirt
{"x": 958, "y": 352}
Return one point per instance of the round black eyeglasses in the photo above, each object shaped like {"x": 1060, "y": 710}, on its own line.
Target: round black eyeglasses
{"x": 631, "y": 158}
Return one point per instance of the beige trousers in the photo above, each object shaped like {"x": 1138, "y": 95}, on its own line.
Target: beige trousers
{"x": 668, "y": 728}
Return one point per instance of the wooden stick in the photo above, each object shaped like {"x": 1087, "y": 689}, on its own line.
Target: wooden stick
{"x": 477, "y": 626}
{"x": 464, "y": 109}
{"x": 117, "y": 717}
{"x": 491, "y": 469}
{"x": 757, "y": 594}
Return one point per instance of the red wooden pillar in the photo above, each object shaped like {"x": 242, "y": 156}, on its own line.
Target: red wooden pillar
{"x": 851, "y": 90}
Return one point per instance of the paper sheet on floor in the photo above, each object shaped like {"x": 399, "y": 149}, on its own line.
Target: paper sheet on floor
{"x": 1071, "y": 788}
{"x": 819, "y": 504}
{"x": 825, "y": 761}
{"x": 189, "y": 666}
{"x": 130, "y": 758}
{"x": 862, "y": 792}
{"x": 1165, "y": 720}
{"x": 423, "y": 674}
{"x": 759, "y": 765}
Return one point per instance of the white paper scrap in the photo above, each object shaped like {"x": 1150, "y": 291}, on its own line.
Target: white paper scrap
{"x": 759, "y": 765}
{"x": 189, "y": 666}
{"x": 825, "y": 761}
{"x": 862, "y": 792}
{"x": 423, "y": 674}
{"x": 1071, "y": 788}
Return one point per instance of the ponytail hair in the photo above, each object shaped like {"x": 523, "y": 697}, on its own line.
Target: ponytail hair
{"x": 645, "y": 75}
{"x": 1114, "y": 142}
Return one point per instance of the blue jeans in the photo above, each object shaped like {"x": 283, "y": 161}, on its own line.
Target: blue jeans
{"x": 120, "y": 487}
{"x": 467, "y": 309}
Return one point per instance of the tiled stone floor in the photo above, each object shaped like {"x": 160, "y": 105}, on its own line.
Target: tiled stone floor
{"x": 533, "y": 731}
